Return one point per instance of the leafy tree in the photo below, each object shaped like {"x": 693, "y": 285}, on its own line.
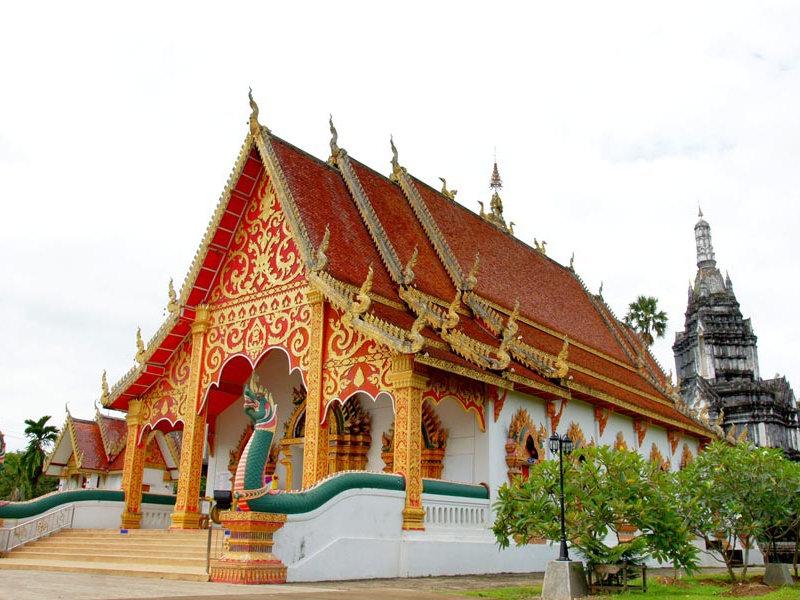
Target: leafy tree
{"x": 606, "y": 491}
{"x": 644, "y": 316}
{"x": 737, "y": 495}
{"x": 40, "y": 437}
{"x": 15, "y": 485}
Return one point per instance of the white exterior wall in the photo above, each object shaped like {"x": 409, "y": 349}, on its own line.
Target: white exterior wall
{"x": 381, "y": 412}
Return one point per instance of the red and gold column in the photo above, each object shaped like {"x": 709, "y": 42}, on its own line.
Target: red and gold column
{"x": 315, "y": 443}
{"x": 133, "y": 470}
{"x": 407, "y": 388}
{"x": 187, "y": 503}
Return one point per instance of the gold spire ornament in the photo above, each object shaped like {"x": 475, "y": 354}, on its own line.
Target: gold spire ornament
{"x": 172, "y": 305}
{"x": 495, "y": 214}
{"x": 140, "y": 350}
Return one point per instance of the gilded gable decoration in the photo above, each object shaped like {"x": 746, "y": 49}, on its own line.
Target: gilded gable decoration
{"x": 525, "y": 444}
{"x": 468, "y": 393}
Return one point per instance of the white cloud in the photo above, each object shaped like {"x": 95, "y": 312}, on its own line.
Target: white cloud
{"x": 612, "y": 122}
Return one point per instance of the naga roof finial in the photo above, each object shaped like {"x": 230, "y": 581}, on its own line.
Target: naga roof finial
{"x": 408, "y": 270}
{"x": 334, "y": 139}
{"x": 104, "y": 389}
{"x": 395, "y": 162}
{"x": 255, "y": 127}
{"x": 140, "y": 350}
{"x": 445, "y": 192}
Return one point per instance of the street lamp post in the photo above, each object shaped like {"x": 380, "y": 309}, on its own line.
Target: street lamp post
{"x": 562, "y": 445}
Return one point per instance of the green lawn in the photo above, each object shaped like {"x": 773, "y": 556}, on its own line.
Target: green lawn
{"x": 690, "y": 588}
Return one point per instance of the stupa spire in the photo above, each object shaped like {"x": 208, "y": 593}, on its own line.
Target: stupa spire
{"x": 702, "y": 237}
{"x": 495, "y": 183}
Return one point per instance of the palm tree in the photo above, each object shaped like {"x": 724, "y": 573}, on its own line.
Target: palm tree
{"x": 40, "y": 436}
{"x": 15, "y": 485}
{"x": 644, "y": 316}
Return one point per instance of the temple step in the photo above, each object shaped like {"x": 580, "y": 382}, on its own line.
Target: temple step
{"x": 143, "y": 553}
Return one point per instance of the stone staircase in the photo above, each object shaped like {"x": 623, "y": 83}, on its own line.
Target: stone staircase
{"x": 140, "y": 553}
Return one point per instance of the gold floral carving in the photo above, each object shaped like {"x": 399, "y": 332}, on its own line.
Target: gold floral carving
{"x": 349, "y": 436}
{"x": 407, "y": 388}
{"x": 352, "y": 361}
{"x": 434, "y": 439}
{"x": 601, "y": 415}
{"x": 263, "y": 254}
{"x": 133, "y": 471}
{"x": 166, "y": 400}
{"x": 575, "y": 433}
{"x": 315, "y": 438}
{"x": 657, "y": 458}
{"x": 640, "y": 427}
{"x": 686, "y": 456}
{"x": 525, "y": 444}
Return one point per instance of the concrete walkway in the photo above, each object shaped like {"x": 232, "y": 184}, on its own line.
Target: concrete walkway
{"x": 37, "y": 585}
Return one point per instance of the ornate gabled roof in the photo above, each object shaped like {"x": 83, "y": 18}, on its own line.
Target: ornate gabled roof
{"x": 95, "y": 445}
{"x": 513, "y": 317}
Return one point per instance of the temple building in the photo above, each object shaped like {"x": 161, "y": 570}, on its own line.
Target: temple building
{"x": 90, "y": 454}
{"x": 716, "y": 357}
{"x": 363, "y": 362}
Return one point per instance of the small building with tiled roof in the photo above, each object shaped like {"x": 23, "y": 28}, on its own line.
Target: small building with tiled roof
{"x": 90, "y": 454}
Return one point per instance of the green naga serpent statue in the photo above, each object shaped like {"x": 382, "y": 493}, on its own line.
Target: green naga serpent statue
{"x": 259, "y": 406}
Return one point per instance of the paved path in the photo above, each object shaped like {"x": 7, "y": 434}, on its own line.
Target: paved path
{"x": 37, "y": 585}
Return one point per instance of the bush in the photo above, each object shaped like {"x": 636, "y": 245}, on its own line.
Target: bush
{"x": 606, "y": 493}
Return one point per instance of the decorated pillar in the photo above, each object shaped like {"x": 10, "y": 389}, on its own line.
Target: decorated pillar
{"x": 315, "y": 442}
{"x": 407, "y": 389}
{"x": 133, "y": 470}
{"x": 187, "y": 514}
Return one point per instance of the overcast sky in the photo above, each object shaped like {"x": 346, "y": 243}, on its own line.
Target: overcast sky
{"x": 612, "y": 122}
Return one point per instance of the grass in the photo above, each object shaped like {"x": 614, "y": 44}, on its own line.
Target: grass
{"x": 689, "y": 588}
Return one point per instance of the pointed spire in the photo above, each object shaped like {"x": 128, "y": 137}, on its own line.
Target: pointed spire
{"x": 702, "y": 236}
{"x": 728, "y": 282}
{"x": 496, "y": 183}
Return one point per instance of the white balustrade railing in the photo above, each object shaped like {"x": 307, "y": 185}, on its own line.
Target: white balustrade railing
{"x": 48, "y": 523}
{"x": 156, "y": 517}
{"x": 455, "y": 513}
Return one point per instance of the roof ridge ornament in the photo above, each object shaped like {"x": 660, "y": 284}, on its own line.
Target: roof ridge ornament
{"x": 408, "y": 270}
{"x": 140, "y": 349}
{"x": 172, "y": 305}
{"x": 104, "y": 394}
{"x": 335, "y": 150}
{"x": 471, "y": 279}
{"x": 320, "y": 258}
{"x": 451, "y": 194}
{"x": 255, "y": 126}
{"x": 495, "y": 214}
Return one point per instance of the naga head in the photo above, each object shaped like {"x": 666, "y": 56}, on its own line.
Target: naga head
{"x": 259, "y": 405}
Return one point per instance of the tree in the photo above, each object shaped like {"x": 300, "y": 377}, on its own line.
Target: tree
{"x": 644, "y": 316}
{"x": 40, "y": 436}
{"x": 607, "y": 493}
{"x": 738, "y": 495}
{"x": 15, "y": 485}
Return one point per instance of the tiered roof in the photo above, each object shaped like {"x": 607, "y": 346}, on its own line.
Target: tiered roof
{"x": 445, "y": 284}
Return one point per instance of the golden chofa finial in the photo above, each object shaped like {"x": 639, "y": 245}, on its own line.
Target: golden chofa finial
{"x": 140, "y": 351}
{"x": 445, "y": 192}
{"x": 255, "y": 127}
{"x": 334, "y": 140}
{"x": 172, "y": 305}
{"x": 104, "y": 394}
